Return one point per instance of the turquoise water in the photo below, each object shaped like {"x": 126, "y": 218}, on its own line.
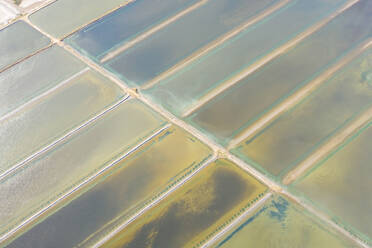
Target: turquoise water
{"x": 181, "y": 91}
{"x": 260, "y": 91}
{"x": 170, "y": 45}
{"x": 117, "y": 28}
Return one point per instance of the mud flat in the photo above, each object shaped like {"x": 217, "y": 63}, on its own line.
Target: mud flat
{"x": 195, "y": 212}
{"x": 133, "y": 182}
{"x": 234, "y": 110}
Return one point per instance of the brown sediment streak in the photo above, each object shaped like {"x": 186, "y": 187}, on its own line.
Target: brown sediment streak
{"x": 328, "y": 147}
{"x": 152, "y": 204}
{"x": 75, "y": 189}
{"x": 297, "y": 96}
{"x": 215, "y": 44}
{"x": 257, "y": 65}
{"x": 218, "y": 149}
{"x": 146, "y": 34}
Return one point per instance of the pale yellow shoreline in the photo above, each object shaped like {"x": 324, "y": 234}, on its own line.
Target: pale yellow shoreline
{"x": 274, "y": 186}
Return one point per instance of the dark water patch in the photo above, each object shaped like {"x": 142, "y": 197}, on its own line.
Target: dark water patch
{"x": 263, "y": 209}
{"x": 280, "y": 211}
{"x": 83, "y": 216}
{"x": 178, "y": 224}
